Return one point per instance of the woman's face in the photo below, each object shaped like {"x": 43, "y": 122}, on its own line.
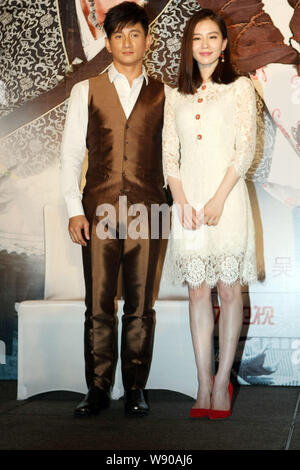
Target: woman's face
{"x": 208, "y": 43}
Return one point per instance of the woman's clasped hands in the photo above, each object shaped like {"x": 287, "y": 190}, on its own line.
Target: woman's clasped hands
{"x": 192, "y": 218}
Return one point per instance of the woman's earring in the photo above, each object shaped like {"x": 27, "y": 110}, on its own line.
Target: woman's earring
{"x": 222, "y": 57}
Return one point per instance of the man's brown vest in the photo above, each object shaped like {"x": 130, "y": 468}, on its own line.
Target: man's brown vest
{"x": 124, "y": 155}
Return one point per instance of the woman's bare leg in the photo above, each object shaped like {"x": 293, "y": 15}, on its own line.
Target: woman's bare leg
{"x": 202, "y": 327}
{"x": 230, "y": 325}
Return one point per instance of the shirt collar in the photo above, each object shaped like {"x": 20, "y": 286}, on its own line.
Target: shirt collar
{"x": 113, "y": 73}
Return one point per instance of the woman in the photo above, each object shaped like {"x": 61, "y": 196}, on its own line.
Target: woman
{"x": 208, "y": 146}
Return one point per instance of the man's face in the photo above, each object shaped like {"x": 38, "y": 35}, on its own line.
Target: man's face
{"x": 128, "y": 45}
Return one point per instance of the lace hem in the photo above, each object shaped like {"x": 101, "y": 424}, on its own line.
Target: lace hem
{"x": 194, "y": 270}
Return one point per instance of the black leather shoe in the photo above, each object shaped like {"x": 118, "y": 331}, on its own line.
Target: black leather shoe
{"x": 136, "y": 402}
{"x": 95, "y": 400}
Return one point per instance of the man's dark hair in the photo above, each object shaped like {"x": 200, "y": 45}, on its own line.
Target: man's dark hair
{"x": 126, "y": 13}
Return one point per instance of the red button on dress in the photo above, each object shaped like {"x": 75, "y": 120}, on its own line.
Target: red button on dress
{"x": 200, "y": 100}
{"x": 199, "y": 136}
{"x": 197, "y": 116}
{"x": 203, "y": 88}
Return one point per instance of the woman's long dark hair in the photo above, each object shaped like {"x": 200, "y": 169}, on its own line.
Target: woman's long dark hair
{"x": 189, "y": 74}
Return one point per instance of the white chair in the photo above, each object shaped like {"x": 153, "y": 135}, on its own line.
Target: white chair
{"x": 50, "y": 331}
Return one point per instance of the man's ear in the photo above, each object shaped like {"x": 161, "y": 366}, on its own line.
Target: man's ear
{"x": 148, "y": 41}
{"x": 107, "y": 45}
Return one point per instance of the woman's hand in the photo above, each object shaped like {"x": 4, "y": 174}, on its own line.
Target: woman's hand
{"x": 213, "y": 210}
{"x": 190, "y": 218}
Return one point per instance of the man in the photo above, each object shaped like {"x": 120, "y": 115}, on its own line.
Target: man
{"x": 118, "y": 117}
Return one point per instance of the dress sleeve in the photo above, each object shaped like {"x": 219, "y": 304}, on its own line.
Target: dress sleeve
{"x": 245, "y": 126}
{"x": 170, "y": 140}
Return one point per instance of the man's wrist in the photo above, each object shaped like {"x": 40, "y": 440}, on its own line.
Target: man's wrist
{"x": 74, "y": 208}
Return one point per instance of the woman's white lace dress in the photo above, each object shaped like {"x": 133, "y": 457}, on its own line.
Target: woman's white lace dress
{"x": 203, "y": 135}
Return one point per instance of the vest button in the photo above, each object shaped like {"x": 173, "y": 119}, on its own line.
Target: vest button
{"x": 125, "y": 158}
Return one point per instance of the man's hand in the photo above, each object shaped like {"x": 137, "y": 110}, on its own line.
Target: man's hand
{"x": 76, "y": 225}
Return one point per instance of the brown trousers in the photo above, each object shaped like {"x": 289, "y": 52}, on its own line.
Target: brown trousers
{"x": 102, "y": 259}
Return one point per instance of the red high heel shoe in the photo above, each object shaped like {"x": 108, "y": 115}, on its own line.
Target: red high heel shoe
{"x": 221, "y": 414}
{"x": 200, "y": 412}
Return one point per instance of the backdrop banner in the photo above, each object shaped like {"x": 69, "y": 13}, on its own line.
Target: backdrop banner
{"x": 46, "y": 48}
